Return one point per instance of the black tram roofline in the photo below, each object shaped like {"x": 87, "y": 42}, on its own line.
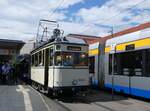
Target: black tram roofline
{"x": 51, "y": 43}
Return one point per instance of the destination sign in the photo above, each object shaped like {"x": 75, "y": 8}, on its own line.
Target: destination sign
{"x": 130, "y": 47}
{"x": 74, "y": 48}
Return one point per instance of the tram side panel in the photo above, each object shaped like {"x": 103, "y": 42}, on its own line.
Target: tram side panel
{"x": 37, "y": 75}
{"x": 68, "y": 77}
{"x": 93, "y": 64}
{"x": 75, "y": 77}
{"x": 97, "y": 70}
{"x": 94, "y": 73}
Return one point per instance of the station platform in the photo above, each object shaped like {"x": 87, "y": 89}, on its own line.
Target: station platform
{"x": 20, "y": 98}
{"x": 25, "y": 98}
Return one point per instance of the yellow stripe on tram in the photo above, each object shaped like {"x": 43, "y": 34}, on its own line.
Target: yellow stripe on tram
{"x": 93, "y": 52}
{"x": 138, "y": 43}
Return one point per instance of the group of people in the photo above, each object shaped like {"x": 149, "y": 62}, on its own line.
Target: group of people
{"x": 7, "y": 73}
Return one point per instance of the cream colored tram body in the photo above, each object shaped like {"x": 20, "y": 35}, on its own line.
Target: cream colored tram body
{"x": 60, "y": 65}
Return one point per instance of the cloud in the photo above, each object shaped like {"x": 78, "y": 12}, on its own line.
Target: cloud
{"x": 78, "y": 28}
{"x": 19, "y": 19}
{"x": 116, "y": 13}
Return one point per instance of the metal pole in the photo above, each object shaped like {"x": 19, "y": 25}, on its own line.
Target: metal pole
{"x": 112, "y": 76}
{"x": 113, "y": 58}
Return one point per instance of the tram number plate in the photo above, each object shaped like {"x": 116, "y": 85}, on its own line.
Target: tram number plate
{"x": 73, "y": 48}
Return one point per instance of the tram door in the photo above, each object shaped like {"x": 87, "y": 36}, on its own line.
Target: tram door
{"x": 126, "y": 66}
{"x": 46, "y": 56}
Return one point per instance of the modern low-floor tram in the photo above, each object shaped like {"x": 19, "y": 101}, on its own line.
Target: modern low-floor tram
{"x": 122, "y": 63}
{"x": 130, "y": 60}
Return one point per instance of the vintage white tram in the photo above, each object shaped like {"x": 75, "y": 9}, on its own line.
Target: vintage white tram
{"x": 60, "y": 64}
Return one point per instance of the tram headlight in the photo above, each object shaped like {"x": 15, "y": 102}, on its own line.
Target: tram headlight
{"x": 83, "y": 55}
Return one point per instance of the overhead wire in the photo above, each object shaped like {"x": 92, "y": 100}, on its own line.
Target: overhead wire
{"x": 59, "y": 5}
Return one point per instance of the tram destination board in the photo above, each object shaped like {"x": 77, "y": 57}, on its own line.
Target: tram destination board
{"x": 74, "y": 48}
{"x": 130, "y": 47}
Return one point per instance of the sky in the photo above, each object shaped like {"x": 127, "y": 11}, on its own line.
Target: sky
{"x": 19, "y": 18}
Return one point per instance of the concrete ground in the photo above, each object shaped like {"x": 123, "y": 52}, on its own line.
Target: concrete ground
{"x": 20, "y": 98}
{"x": 25, "y": 98}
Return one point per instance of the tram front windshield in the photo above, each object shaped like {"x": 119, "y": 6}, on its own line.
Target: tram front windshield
{"x": 71, "y": 59}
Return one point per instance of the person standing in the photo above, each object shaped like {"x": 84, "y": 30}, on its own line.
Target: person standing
{"x": 4, "y": 72}
{"x": 1, "y": 71}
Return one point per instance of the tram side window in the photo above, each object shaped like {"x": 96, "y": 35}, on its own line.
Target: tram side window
{"x": 40, "y": 59}
{"x": 115, "y": 67}
{"x": 43, "y": 57}
{"x": 36, "y": 59}
{"x": 80, "y": 59}
{"x": 51, "y": 57}
{"x": 131, "y": 63}
{"x": 92, "y": 64}
{"x": 147, "y": 63}
{"x": 32, "y": 57}
{"x": 68, "y": 59}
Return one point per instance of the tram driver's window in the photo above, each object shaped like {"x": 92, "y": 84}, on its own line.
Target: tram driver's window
{"x": 68, "y": 59}
{"x": 58, "y": 59}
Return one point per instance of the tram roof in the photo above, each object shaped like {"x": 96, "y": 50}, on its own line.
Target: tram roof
{"x": 69, "y": 40}
{"x": 141, "y": 34}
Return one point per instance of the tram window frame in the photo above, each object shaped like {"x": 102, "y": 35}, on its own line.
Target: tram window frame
{"x": 147, "y": 63}
{"x": 92, "y": 64}
{"x": 127, "y": 63}
{"x": 36, "y": 60}
{"x": 32, "y": 59}
{"x": 51, "y": 56}
{"x": 81, "y": 59}
{"x": 40, "y": 58}
{"x": 75, "y": 57}
{"x": 58, "y": 63}
{"x": 116, "y": 69}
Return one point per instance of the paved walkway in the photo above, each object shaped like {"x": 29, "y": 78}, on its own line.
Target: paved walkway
{"x": 20, "y": 98}
{"x": 25, "y": 98}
